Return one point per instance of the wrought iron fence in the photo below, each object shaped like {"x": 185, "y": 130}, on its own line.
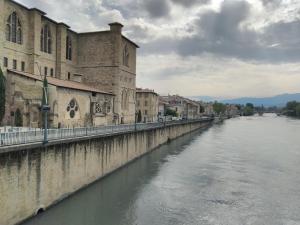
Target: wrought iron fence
{"x": 37, "y": 135}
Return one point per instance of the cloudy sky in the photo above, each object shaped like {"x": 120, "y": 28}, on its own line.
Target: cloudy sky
{"x": 224, "y": 48}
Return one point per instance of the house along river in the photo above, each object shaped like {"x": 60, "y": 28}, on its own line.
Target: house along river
{"x": 242, "y": 171}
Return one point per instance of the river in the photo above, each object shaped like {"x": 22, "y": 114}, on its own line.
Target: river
{"x": 242, "y": 171}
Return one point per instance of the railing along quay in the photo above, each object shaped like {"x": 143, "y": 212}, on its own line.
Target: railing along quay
{"x": 36, "y": 136}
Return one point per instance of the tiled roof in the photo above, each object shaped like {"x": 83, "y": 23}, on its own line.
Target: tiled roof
{"x": 61, "y": 83}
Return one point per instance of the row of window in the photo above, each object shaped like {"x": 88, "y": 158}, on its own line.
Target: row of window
{"x": 14, "y": 64}
{"x": 46, "y": 71}
{"x": 14, "y": 34}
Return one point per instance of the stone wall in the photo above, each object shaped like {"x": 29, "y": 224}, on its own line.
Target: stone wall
{"x": 35, "y": 177}
{"x": 26, "y": 95}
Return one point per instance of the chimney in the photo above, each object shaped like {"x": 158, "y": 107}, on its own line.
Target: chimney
{"x": 116, "y": 27}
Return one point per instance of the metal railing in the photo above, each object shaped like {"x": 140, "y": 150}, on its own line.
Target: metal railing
{"x": 36, "y": 136}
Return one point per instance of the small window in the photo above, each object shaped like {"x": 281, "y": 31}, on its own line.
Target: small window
{"x": 146, "y": 103}
{"x": 23, "y": 66}
{"x": 138, "y": 103}
{"x": 51, "y": 72}
{"x": 69, "y": 76}
{"x": 5, "y": 62}
{"x": 14, "y": 64}
{"x": 46, "y": 71}
{"x": 146, "y": 112}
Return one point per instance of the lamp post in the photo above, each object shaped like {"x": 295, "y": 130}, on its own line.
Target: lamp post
{"x": 45, "y": 106}
{"x": 135, "y": 121}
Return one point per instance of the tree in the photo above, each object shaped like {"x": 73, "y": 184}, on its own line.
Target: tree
{"x": 18, "y": 118}
{"x": 171, "y": 112}
{"x": 248, "y": 109}
{"x": 202, "y": 109}
{"x": 298, "y": 110}
{"x": 219, "y": 108}
{"x": 239, "y": 107}
{"x": 291, "y": 108}
{"x": 2, "y": 96}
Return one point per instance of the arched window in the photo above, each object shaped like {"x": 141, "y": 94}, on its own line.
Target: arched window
{"x": 69, "y": 48}
{"x": 46, "y": 41}
{"x": 126, "y": 56}
{"x": 13, "y": 29}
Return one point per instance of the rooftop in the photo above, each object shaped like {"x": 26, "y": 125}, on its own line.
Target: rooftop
{"x": 141, "y": 90}
{"x": 61, "y": 83}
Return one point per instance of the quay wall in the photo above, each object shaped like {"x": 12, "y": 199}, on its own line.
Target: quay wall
{"x": 34, "y": 177}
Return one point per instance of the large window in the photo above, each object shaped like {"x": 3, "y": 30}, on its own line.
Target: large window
{"x": 46, "y": 41}
{"x": 14, "y": 29}
{"x": 69, "y": 48}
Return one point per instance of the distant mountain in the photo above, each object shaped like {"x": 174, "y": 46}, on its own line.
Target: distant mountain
{"x": 204, "y": 98}
{"x": 279, "y": 100}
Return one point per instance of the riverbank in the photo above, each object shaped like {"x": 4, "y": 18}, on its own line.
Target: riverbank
{"x": 36, "y": 177}
{"x": 242, "y": 171}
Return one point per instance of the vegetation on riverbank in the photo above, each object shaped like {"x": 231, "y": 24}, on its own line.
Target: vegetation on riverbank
{"x": 292, "y": 109}
{"x": 248, "y": 110}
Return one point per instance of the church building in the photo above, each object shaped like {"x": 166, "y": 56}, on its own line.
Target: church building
{"x": 91, "y": 76}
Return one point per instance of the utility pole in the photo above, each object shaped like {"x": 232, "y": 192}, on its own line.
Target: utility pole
{"x": 45, "y": 106}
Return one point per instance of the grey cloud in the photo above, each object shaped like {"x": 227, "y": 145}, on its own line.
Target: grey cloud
{"x": 129, "y": 9}
{"x": 271, "y": 3}
{"x": 284, "y": 34}
{"x": 157, "y": 8}
{"x": 137, "y": 32}
{"x": 189, "y": 3}
{"x": 221, "y": 34}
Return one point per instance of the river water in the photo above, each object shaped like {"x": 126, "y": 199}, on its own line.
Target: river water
{"x": 243, "y": 171}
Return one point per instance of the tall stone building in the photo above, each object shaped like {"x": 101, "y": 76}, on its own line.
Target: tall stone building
{"x": 98, "y": 65}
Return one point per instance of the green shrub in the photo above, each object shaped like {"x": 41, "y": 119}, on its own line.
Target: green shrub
{"x": 18, "y": 118}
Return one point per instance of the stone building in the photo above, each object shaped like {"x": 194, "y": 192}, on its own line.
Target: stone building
{"x": 162, "y": 106}
{"x": 185, "y": 108}
{"x": 104, "y": 63}
{"x": 147, "y": 105}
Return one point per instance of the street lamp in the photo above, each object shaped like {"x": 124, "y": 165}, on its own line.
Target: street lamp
{"x": 45, "y": 106}
{"x": 135, "y": 121}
